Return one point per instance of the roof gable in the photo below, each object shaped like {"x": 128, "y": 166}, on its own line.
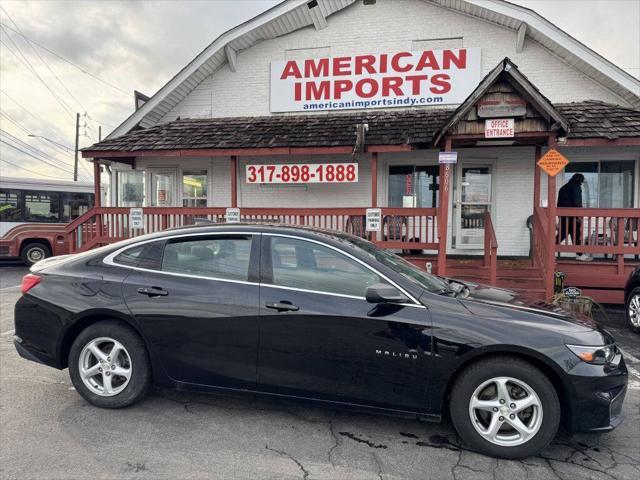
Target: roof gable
{"x": 508, "y": 71}
{"x": 292, "y": 15}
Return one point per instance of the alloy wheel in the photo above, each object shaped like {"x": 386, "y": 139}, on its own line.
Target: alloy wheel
{"x": 105, "y": 366}
{"x": 634, "y": 310}
{"x": 505, "y": 411}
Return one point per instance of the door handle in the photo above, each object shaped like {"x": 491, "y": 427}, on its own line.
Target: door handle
{"x": 282, "y": 306}
{"x": 153, "y": 291}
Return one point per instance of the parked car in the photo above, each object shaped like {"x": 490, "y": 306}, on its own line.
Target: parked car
{"x": 632, "y": 300}
{"x": 322, "y": 316}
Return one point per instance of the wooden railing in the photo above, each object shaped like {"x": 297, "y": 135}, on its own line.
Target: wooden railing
{"x": 410, "y": 229}
{"x": 605, "y": 232}
{"x": 490, "y": 249}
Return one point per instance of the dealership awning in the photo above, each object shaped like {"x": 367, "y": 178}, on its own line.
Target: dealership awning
{"x": 588, "y": 120}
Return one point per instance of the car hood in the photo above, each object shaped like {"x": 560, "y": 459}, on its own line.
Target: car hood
{"x": 502, "y": 298}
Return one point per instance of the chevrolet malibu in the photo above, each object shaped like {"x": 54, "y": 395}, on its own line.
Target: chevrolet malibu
{"x": 321, "y": 316}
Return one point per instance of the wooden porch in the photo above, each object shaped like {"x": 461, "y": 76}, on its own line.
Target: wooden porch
{"x": 415, "y": 233}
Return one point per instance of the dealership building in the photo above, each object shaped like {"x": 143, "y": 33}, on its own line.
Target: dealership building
{"x": 417, "y": 124}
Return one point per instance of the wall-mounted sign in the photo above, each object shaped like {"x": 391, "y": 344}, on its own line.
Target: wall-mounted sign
{"x": 499, "y": 128}
{"x": 136, "y": 218}
{"x": 232, "y": 215}
{"x": 374, "y": 220}
{"x": 515, "y": 107}
{"x": 303, "y": 173}
{"x": 381, "y": 80}
{"x": 553, "y": 162}
{"x": 448, "y": 157}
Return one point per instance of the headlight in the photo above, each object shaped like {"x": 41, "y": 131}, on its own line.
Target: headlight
{"x": 599, "y": 355}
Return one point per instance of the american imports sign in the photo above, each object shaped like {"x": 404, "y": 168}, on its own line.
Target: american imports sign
{"x": 400, "y": 79}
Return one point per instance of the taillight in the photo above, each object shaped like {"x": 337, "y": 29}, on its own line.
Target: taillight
{"x": 29, "y": 281}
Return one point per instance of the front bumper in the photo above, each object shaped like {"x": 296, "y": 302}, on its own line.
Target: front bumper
{"x": 597, "y": 398}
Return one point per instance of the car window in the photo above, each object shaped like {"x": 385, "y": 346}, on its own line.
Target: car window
{"x": 215, "y": 257}
{"x": 310, "y": 266}
{"x": 130, "y": 257}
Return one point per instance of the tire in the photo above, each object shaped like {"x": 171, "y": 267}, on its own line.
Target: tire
{"x": 633, "y": 304}
{"x": 34, "y": 252}
{"x": 132, "y": 359}
{"x": 520, "y": 377}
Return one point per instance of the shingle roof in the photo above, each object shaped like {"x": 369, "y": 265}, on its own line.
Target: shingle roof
{"x": 594, "y": 119}
{"x": 589, "y": 119}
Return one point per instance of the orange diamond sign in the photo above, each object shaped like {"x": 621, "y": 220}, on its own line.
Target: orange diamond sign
{"x": 553, "y": 162}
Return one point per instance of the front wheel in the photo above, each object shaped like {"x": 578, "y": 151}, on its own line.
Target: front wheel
{"x": 109, "y": 365}
{"x": 505, "y": 407}
{"x": 633, "y": 310}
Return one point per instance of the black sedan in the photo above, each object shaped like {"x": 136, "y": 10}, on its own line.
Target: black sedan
{"x": 322, "y": 316}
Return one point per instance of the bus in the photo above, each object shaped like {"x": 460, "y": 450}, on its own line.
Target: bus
{"x": 34, "y": 214}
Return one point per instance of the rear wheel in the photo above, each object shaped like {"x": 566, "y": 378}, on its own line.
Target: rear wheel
{"x": 34, "y": 252}
{"x": 505, "y": 407}
{"x": 109, "y": 365}
{"x": 633, "y": 310}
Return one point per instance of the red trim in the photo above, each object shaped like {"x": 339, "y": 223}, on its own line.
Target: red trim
{"x": 389, "y": 148}
{"x": 443, "y": 210}
{"x": 221, "y": 152}
{"x": 480, "y": 136}
{"x": 551, "y": 227}
{"x": 97, "y": 200}
{"x": 601, "y": 142}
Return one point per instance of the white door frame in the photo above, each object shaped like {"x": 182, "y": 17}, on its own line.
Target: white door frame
{"x": 150, "y": 191}
{"x": 457, "y": 203}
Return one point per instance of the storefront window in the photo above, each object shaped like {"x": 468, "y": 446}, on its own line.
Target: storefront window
{"x": 194, "y": 188}
{"x": 607, "y": 184}
{"x": 130, "y": 188}
{"x": 413, "y": 186}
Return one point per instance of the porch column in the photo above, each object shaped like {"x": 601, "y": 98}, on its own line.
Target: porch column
{"x": 97, "y": 194}
{"x": 234, "y": 181}
{"x": 374, "y": 179}
{"x": 443, "y": 211}
{"x": 551, "y": 227}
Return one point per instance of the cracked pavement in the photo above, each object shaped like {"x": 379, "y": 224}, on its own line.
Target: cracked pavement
{"x": 48, "y": 432}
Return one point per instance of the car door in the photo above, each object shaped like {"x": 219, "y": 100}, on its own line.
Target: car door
{"x": 320, "y": 338}
{"x": 199, "y": 308}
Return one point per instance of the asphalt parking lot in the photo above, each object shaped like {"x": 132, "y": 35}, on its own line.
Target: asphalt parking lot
{"x": 48, "y": 432}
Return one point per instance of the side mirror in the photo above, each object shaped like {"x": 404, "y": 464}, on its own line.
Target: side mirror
{"x": 384, "y": 293}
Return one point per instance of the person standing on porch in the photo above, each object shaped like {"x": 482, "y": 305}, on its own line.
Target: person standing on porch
{"x": 570, "y": 196}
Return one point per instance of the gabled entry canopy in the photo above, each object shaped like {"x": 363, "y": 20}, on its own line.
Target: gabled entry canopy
{"x": 504, "y": 92}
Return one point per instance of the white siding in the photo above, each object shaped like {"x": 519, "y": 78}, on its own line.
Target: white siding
{"x": 389, "y": 25}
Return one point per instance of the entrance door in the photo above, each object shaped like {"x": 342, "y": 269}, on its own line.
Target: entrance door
{"x": 473, "y": 199}
{"x": 163, "y": 188}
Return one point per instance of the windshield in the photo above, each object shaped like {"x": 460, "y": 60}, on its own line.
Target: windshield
{"x": 408, "y": 270}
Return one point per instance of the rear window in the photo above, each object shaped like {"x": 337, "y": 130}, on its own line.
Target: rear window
{"x": 214, "y": 257}
{"x": 147, "y": 256}
{"x": 130, "y": 257}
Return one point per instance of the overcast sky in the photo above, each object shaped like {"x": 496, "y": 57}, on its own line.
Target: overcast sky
{"x": 141, "y": 44}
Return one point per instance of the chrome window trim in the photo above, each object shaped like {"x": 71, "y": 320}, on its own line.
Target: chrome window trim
{"x": 108, "y": 260}
{"x": 342, "y": 252}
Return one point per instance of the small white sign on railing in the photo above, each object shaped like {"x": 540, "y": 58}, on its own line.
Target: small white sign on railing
{"x": 136, "y": 218}
{"x": 374, "y": 220}
{"x": 232, "y": 215}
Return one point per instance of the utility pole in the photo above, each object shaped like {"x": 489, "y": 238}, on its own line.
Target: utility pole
{"x": 99, "y": 133}
{"x": 75, "y": 162}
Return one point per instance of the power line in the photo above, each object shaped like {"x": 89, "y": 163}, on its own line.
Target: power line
{"x": 34, "y": 152}
{"x": 30, "y": 171}
{"x": 46, "y": 64}
{"x": 45, "y": 141}
{"x": 67, "y": 61}
{"x": 52, "y": 128}
{"x": 31, "y": 68}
